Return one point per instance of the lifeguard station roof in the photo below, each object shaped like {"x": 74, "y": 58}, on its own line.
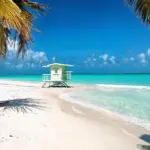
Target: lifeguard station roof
{"x": 67, "y": 65}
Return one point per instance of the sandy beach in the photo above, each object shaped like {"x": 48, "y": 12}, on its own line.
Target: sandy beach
{"x": 35, "y": 118}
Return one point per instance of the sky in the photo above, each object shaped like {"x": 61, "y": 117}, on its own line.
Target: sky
{"x": 96, "y": 36}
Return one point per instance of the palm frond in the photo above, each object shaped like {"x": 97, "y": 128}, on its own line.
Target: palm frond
{"x": 23, "y": 42}
{"x": 130, "y": 2}
{"x": 4, "y": 34}
{"x": 14, "y": 15}
{"x": 10, "y": 17}
{"x": 41, "y": 9}
{"x": 10, "y": 13}
{"x": 24, "y": 35}
{"x": 142, "y": 9}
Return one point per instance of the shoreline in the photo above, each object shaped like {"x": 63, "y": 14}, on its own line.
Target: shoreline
{"x": 133, "y": 120}
{"x": 107, "y": 113}
{"x": 123, "y": 86}
{"x": 95, "y": 125}
{"x": 98, "y": 85}
{"x": 63, "y": 94}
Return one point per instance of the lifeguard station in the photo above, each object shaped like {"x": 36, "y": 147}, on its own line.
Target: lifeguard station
{"x": 58, "y": 75}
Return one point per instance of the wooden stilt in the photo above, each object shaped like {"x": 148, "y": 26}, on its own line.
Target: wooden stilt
{"x": 58, "y": 84}
{"x": 43, "y": 84}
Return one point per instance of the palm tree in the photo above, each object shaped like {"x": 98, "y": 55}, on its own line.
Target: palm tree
{"x": 142, "y": 9}
{"x": 14, "y": 16}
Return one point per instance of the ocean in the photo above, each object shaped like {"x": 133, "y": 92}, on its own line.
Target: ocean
{"x": 118, "y": 79}
{"x": 125, "y": 95}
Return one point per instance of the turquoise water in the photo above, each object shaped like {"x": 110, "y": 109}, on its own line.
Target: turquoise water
{"x": 132, "y": 104}
{"x": 127, "y": 79}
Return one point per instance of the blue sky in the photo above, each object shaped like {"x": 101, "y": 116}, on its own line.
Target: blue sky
{"x": 97, "y": 36}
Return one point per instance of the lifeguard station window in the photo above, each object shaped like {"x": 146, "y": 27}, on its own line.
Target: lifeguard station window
{"x": 56, "y": 70}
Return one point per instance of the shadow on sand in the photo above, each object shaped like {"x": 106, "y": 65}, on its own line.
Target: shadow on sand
{"x": 145, "y": 138}
{"x": 22, "y": 105}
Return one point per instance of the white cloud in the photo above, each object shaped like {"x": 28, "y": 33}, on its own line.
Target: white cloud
{"x": 143, "y": 61}
{"x": 94, "y": 59}
{"x": 33, "y": 59}
{"x": 105, "y": 62}
{"x": 53, "y": 59}
{"x": 20, "y": 66}
{"x": 142, "y": 58}
{"x": 89, "y": 59}
{"x": 28, "y": 65}
{"x": 148, "y": 52}
{"x": 33, "y": 65}
{"x": 128, "y": 60}
{"x": 41, "y": 54}
{"x": 132, "y": 59}
{"x": 12, "y": 45}
{"x": 7, "y": 63}
{"x": 112, "y": 59}
{"x": 38, "y": 56}
{"x": 104, "y": 57}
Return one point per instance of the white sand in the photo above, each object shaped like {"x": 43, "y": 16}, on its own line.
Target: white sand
{"x": 39, "y": 120}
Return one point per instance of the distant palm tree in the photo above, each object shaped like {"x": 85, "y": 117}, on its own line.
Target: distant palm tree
{"x": 142, "y": 9}
{"x": 14, "y": 16}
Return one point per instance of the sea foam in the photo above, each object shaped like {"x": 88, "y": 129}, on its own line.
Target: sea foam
{"x": 71, "y": 97}
{"x": 121, "y": 86}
